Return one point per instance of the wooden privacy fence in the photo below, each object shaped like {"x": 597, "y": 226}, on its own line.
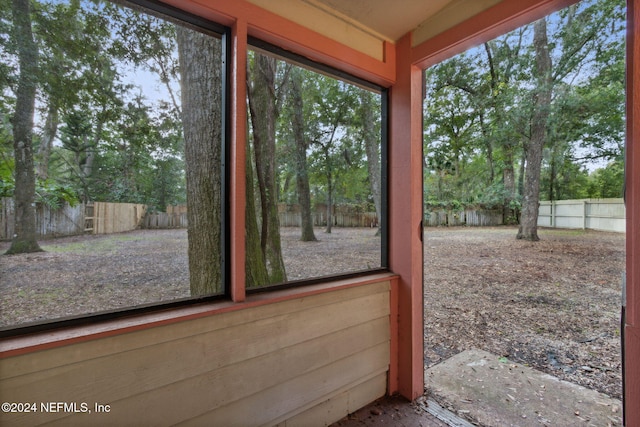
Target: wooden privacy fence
{"x": 165, "y": 220}
{"x": 287, "y": 219}
{"x": 64, "y": 221}
{"x": 339, "y": 219}
{"x": 173, "y": 217}
{"x": 116, "y": 217}
{"x": 96, "y": 218}
{"x": 469, "y": 217}
{"x": 104, "y": 218}
{"x": 595, "y": 214}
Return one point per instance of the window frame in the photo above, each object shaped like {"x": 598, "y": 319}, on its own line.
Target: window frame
{"x": 224, "y": 34}
{"x": 258, "y": 45}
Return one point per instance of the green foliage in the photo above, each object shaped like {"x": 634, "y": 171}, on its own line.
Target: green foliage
{"x": 54, "y": 195}
{"x": 6, "y": 168}
{"x": 607, "y": 182}
{"x": 47, "y": 192}
{"x": 479, "y": 105}
{"x": 336, "y": 158}
{"x": 108, "y": 140}
{"x": 7, "y": 186}
{"x": 495, "y": 195}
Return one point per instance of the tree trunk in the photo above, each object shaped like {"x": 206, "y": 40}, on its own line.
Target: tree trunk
{"x": 255, "y": 268}
{"x": 90, "y": 151}
{"x": 264, "y": 114}
{"x": 552, "y": 174}
{"x": 46, "y": 142}
{"x": 509, "y": 182}
{"x": 488, "y": 146}
{"x": 529, "y": 223}
{"x": 372, "y": 144}
{"x": 300, "y": 158}
{"x": 329, "y": 201}
{"x": 24, "y": 239}
{"x": 201, "y": 83}
{"x": 521, "y": 167}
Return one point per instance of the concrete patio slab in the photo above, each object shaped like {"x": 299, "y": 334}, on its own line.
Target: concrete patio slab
{"x": 493, "y": 391}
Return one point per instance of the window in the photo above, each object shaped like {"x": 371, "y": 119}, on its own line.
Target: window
{"x": 315, "y": 176}
{"x": 128, "y": 142}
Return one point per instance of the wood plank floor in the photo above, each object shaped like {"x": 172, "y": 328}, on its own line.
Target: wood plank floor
{"x": 391, "y": 411}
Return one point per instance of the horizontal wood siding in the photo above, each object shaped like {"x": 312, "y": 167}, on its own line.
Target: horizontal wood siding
{"x": 337, "y": 406}
{"x": 254, "y": 366}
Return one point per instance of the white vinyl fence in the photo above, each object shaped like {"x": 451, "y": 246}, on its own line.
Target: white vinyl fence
{"x": 595, "y": 214}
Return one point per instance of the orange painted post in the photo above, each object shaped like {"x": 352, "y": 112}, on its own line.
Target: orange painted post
{"x": 632, "y": 193}
{"x": 405, "y": 216}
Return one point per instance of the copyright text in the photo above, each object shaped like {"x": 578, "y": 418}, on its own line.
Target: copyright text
{"x": 53, "y": 407}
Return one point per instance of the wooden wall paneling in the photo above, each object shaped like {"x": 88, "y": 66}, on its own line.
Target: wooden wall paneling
{"x": 148, "y": 368}
{"x": 210, "y": 359}
{"x": 237, "y": 382}
{"x": 182, "y": 400}
{"x": 48, "y": 359}
{"x": 341, "y": 405}
{"x": 265, "y": 407}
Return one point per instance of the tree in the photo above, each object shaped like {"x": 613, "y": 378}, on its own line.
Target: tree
{"x": 75, "y": 137}
{"x": 607, "y": 182}
{"x": 334, "y": 101}
{"x": 265, "y": 93}
{"x": 59, "y": 64}
{"x": 528, "y": 229}
{"x": 371, "y": 141}
{"x": 469, "y": 112}
{"x": 24, "y": 239}
{"x": 256, "y": 273}
{"x": 200, "y": 58}
{"x": 299, "y": 150}
{"x": 495, "y": 91}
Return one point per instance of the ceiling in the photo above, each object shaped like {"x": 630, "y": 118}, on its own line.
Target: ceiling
{"x": 383, "y": 19}
{"x": 365, "y": 25}
{"x": 389, "y": 19}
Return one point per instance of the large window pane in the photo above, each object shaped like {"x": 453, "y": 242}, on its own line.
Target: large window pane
{"x": 126, "y": 144}
{"x": 314, "y": 176}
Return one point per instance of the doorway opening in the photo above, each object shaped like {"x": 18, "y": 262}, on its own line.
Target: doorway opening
{"x": 524, "y": 137}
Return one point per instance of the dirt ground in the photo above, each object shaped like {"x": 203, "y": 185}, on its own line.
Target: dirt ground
{"x": 553, "y": 305}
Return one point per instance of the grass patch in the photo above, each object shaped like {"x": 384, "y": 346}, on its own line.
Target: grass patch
{"x": 98, "y": 245}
